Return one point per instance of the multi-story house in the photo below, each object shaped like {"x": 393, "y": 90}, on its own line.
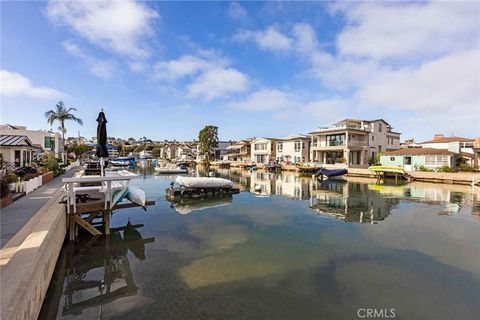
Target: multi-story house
{"x": 239, "y": 151}
{"x": 263, "y": 150}
{"x": 49, "y": 141}
{"x": 352, "y": 142}
{"x": 292, "y": 149}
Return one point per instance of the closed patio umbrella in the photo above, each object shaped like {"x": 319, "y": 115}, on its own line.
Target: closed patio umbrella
{"x": 101, "y": 150}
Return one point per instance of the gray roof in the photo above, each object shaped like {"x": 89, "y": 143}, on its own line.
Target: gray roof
{"x": 13, "y": 140}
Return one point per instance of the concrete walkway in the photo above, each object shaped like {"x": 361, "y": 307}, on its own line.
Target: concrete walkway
{"x": 16, "y": 215}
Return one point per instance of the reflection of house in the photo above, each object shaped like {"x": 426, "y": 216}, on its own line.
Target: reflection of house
{"x": 262, "y": 182}
{"x": 294, "y": 186}
{"x": 353, "y": 141}
{"x": 292, "y": 149}
{"x": 47, "y": 140}
{"x": 351, "y": 202}
{"x": 239, "y": 151}
{"x": 263, "y": 150}
{"x": 413, "y": 159}
{"x": 18, "y": 150}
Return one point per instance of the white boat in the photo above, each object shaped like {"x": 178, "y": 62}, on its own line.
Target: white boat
{"x": 170, "y": 170}
{"x": 203, "y": 182}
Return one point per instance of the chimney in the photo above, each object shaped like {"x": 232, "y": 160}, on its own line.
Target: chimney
{"x": 438, "y": 136}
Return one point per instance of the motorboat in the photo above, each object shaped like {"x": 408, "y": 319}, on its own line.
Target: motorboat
{"x": 171, "y": 170}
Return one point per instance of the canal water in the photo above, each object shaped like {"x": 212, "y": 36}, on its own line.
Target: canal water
{"x": 286, "y": 247}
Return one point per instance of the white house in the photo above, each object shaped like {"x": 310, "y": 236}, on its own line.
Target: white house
{"x": 352, "y": 142}
{"x": 292, "y": 149}
{"x": 48, "y": 140}
{"x": 263, "y": 150}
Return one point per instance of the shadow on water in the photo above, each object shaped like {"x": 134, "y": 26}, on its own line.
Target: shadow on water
{"x": 103, "y": 256}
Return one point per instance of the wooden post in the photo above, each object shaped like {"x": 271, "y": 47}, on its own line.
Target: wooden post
{"x": 106, "y": 217}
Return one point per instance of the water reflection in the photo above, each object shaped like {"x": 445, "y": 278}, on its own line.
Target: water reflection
{"x": 188, "y": 205}
{"x": 94, "y": 272}
{"x": 356, "y": 199}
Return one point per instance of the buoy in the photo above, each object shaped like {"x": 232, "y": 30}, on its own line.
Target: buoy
{"x": 210, "y": 174}
{"x": 257, "y": 188}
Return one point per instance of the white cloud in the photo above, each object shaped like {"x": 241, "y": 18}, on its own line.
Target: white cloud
{"x": 14, "y": 84}
{"x": 217, "y": 83}
{"x": 409, "y": 30}
{"x": 237, "y": 11}
{"x": 188, "y": 65}
{"x": 101, "y": 68}
{"x": 305, "y": 38}
{"x": 266, "y": 100}
{"x": 120, "y": 26}
{"x": 452, "y": 81}
{"x": 269, "y": 39}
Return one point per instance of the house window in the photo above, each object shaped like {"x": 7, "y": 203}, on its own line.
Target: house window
{"x": 297, "y": 146}
{"x": 442, "y": 161}
{"x": 379, "y": 127}
{"x": 379, "y": 149}
{"x": 279, "y": 146}
{"x": 49, "y": 143}
{"x": 430, "y": 161}
{"x": 392, "y": 159}
{"x": 373, "y": 138}
{"x": 261, "y": 146}
{"x": 408, "y": 160}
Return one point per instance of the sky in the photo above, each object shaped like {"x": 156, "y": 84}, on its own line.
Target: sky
{"x": 164, "y": 70}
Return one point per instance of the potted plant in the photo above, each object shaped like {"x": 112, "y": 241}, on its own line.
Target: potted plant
{"x": 5, "y": 193}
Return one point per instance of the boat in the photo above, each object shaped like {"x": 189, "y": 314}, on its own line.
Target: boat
{"x": 330, "y": 173}
{"x": 167, "y": 170}
{"x": 388, "y": 169}
{"x": 203, "y": 182}
{"x": 117, "y": 163}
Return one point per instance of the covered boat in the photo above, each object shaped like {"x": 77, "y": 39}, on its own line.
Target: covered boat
{"x": 203, "y": 182}
{"x": 330, "y": 173}
{"x": 170, "y": 170}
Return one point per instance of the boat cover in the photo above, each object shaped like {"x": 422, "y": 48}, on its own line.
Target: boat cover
{"x": 203, "y": 182}
{"x": 332, "y": 173}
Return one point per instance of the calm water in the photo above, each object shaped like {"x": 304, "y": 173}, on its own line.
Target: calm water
{"x": 294, "y": 249}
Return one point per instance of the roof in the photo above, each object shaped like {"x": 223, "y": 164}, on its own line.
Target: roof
{"x": 14, "y": 140}
{"x": 449, "y": 139}
{"x": 419, "y": 152}
{"x": 295, "y": 136}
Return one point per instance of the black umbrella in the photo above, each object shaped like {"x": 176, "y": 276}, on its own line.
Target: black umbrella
{"x": 101, "y": 151}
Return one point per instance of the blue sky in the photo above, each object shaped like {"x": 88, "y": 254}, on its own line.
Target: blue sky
{"x": 165, "y": 69}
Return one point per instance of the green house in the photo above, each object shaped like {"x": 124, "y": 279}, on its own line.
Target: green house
{"x": 412, "y": 158}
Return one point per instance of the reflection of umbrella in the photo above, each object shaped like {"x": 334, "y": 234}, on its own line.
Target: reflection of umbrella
{"x": 131, "y": 237}
{"x": 101, "y": 151}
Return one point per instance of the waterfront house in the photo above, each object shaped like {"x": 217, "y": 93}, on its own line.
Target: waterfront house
{"x": 218, "y": 153}
{"x": 412, "y": 159}
{"x": 293, "y": 149}
{"x": 18, "y": 150}
{"x": 49, "y": 141}
{"x": 240, "y": 151}
{"x": 352, "y": 142}
{"x": 460, "y": 145}
{"x": 263, "y": 150}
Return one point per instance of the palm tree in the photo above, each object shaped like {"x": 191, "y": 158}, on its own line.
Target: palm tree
{"x": 62, "y": 114}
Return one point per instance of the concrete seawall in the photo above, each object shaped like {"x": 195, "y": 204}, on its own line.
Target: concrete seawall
{"x": 28, "y": 260}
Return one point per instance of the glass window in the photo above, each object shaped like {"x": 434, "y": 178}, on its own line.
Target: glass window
{"x": 430, "y": 160}
{"x": 408, "y": 160}
{"x": 49, "y": 143}
{"x": 297, "y": 146}
{"x": 280, "y": 146}
{"x": 379, "y": 127}
{"x": 392, "y": 158}
{"x": 373, "y": 138}
{"x": 379, "y": 148}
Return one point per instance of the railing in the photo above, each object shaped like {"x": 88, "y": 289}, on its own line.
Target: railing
{"x": 357, "y": 143}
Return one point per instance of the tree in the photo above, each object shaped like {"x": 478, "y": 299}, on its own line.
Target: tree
{"x": 61, "y": 114}
{"x": 208, "y": 140}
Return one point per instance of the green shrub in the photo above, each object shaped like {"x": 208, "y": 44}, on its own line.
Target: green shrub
{"x": 11, "y": 177}
{"x": 466, "y": 167}
{"x": 50, "y": 163}
{"x": 4, "y": 189}
{"x": 424, "y": 169}
{"x": 445, "y": 169}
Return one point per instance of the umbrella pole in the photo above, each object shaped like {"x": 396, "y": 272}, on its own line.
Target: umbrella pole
{"x": 102, "y": 167}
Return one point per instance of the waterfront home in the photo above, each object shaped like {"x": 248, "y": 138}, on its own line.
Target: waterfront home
{"x": 413, "y": 159}
{"x": 218, "y": 153}
{"x": 168, "y": 151}
{"x": 240, "y": 151}
{"x": 292, "y": 149}
{"x": 352, "y": 142}
{"x": 48, "y": 140}
{"x": 186, "y": 151}
{"x": 18, "y": 150}
{"x": 263, "y": 150}
{"x": 460, "y": 145}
